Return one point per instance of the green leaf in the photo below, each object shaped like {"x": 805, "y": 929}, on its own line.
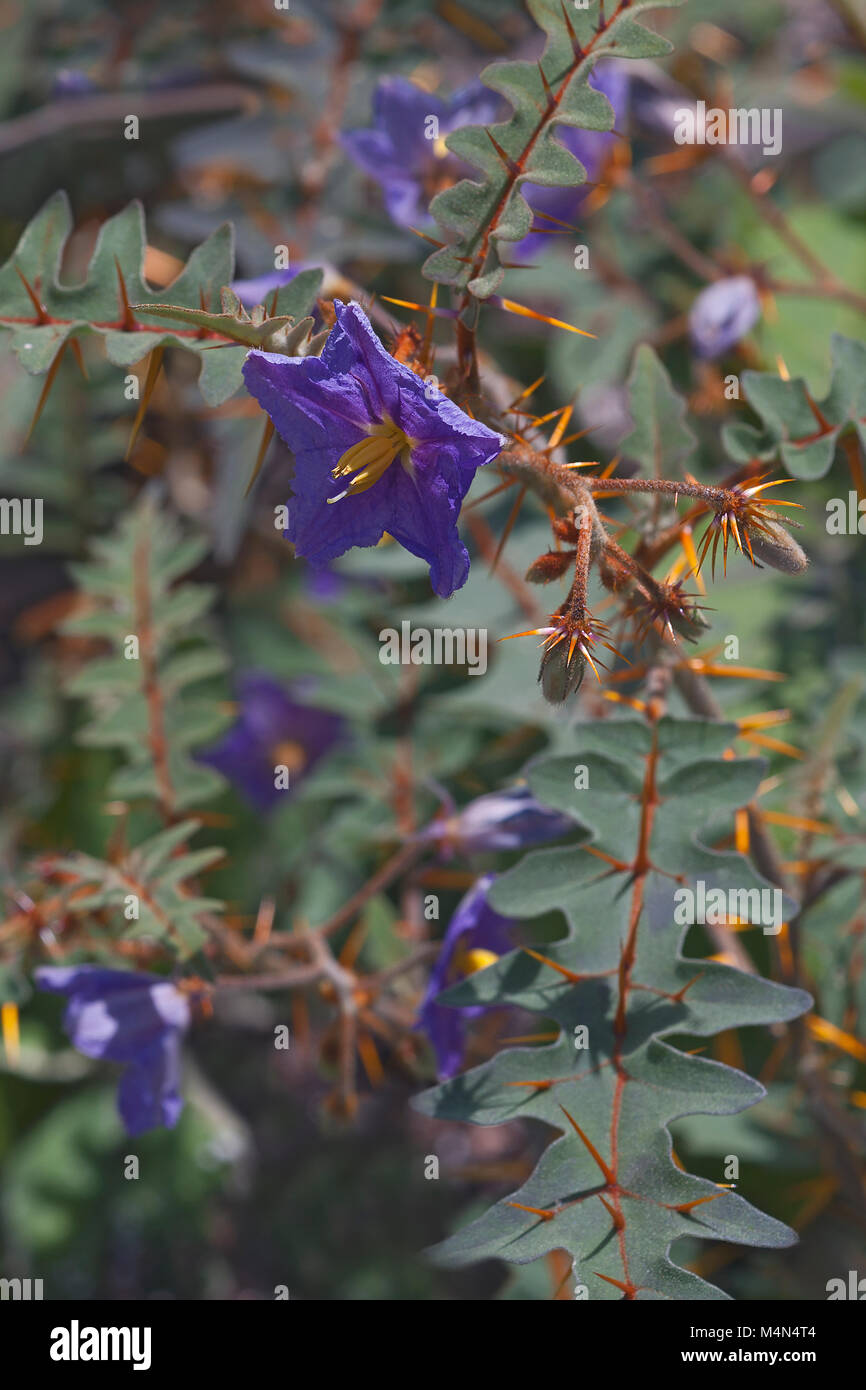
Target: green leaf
{"x": 138, "y": 694}
{"x": 114, "y": 299}
{"x": 803, "y": 438}
{"x": 660, "y": 441}
{"x": 480, "y": 216}
{"x": 622, "y": 1081}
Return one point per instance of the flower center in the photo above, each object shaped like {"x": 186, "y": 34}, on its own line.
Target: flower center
{"x": 289, "y": 754}
{"x": 366, "y": 461}
{"x": 477, "y": 959}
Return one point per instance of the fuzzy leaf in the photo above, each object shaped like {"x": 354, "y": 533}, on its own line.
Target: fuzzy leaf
{"x": 791, "y": 429}
{"x": 628, "y": 1083}
{"x": 479, "y": 216}
{"x": 114, "y": 294}
{"x": 660, "y": 441}
{"x": 138, "y": 693}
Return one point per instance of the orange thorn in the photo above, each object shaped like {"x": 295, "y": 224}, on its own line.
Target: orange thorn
{"x": 509, "y": 526}
{"x": 686, "y": 1207}
{"x": 153, "y": 367}
{"x": 41, "y": 315}
{"x": 267, "y": 436}
{"x": 512, "y": 307}
{"x": 510, "y": 164}
{"x": 628, "y": 1289}
{"x": 536, "y": 1211}
{"x": 608, "y": 1176}
{"x": 681, "y": 993}
{"x": 619, "y": 864}
{"x": 425, "y": 237}
{"x": 370, "y": 1059}
{"x": 548, "y": 90}
{"x": 545, "y": 960}
{"x": 128, "y": 321}
{"x": 565, "y": 416}
{"x": 79, "y": 358}
{"x": 43, "y": 396}
{"x": 616, "y": 1216}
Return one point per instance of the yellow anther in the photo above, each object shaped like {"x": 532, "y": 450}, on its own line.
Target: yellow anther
{"x": 370, "y": 457}
{"x": 289, "y": 754}
{"x": 11, "y": 1033}
{"x": 477, "y": 959}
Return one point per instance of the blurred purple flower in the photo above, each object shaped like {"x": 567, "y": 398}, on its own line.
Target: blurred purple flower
{"x": 722, "y": 314}
{"x": 399, "y": 152}
{"x": 259, "y": 289}
{"x": 475, "y": 938}
{"x": 123, "y": 1016}
{"x": 511, "y": 819}
{"x": 72, "y": 82}
{"x": 273, "y": 730}
{"x": 590, "y": 147}
{"x": 376, "y": 450}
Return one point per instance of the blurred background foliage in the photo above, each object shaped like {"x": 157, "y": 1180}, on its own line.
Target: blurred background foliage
{"x": 239, "y": 108}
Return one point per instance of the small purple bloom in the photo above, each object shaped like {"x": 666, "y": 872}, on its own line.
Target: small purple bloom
{"x": 405, "y": 150}
{"x": 127, "y": 1017}
{"x": 72, "y": 82}
{"x": 274, "y": 731}
{"x": 475, "y": 938}
{"x": 511, "y": 819}
{"x": 259, "y": 289}
{"x": 376, "y": 450}
{"x": 722, "y": 314}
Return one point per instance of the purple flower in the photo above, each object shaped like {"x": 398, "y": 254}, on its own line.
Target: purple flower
{"x": 274, "y": 731}
{"x": 590, "y": 147}
{"x": 510, "y": 819}
{"x": 376, "y": 450}
{"x": 475, "y": 938}
{"x": 405, "y": 150}
{"x": 72, "y": 82}
{"x": 259, "y": 289}
{"x": 127, "y": 1017}
{"x": 722, "y": 314}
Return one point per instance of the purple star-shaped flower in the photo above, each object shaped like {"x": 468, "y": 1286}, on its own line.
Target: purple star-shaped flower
{"x": 376, "y": 450}
{"x": 274, "y": 730}
{"x": 722, "y": 314}
{"x": 123, "y": 1016}
{"x": 476, "y": 936}
{"x": 405, "y": 150}
{"x": 511, "y": 819}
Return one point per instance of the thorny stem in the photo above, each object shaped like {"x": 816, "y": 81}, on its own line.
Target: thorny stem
{"x": 467, "y": 353}
{"x": 156, "y": 736}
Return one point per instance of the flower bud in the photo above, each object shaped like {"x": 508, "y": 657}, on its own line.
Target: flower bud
{"x": 550, "y": 566}
{"x": 722, "y": 314}
{"x": 560, "y": 677}
{"x": 773, "y": 546}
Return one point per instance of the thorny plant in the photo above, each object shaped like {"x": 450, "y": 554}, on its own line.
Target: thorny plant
{"x": 609, "y": 1194}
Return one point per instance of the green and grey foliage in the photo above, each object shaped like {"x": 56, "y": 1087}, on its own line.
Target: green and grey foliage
{"x": 630, "y": 1080}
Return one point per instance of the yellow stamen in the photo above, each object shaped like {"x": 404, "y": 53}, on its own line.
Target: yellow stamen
{"x": 289, "y": 754}
{"x": 11, "y": 1033}
{"x": 477, "y": 959}
{"x": 370, "y": 457}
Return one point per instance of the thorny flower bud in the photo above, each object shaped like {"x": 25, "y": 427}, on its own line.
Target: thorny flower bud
{"x": 561, "y": 673}
{"x": 775, "y": 547}
{"x": 550, "y": 566}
